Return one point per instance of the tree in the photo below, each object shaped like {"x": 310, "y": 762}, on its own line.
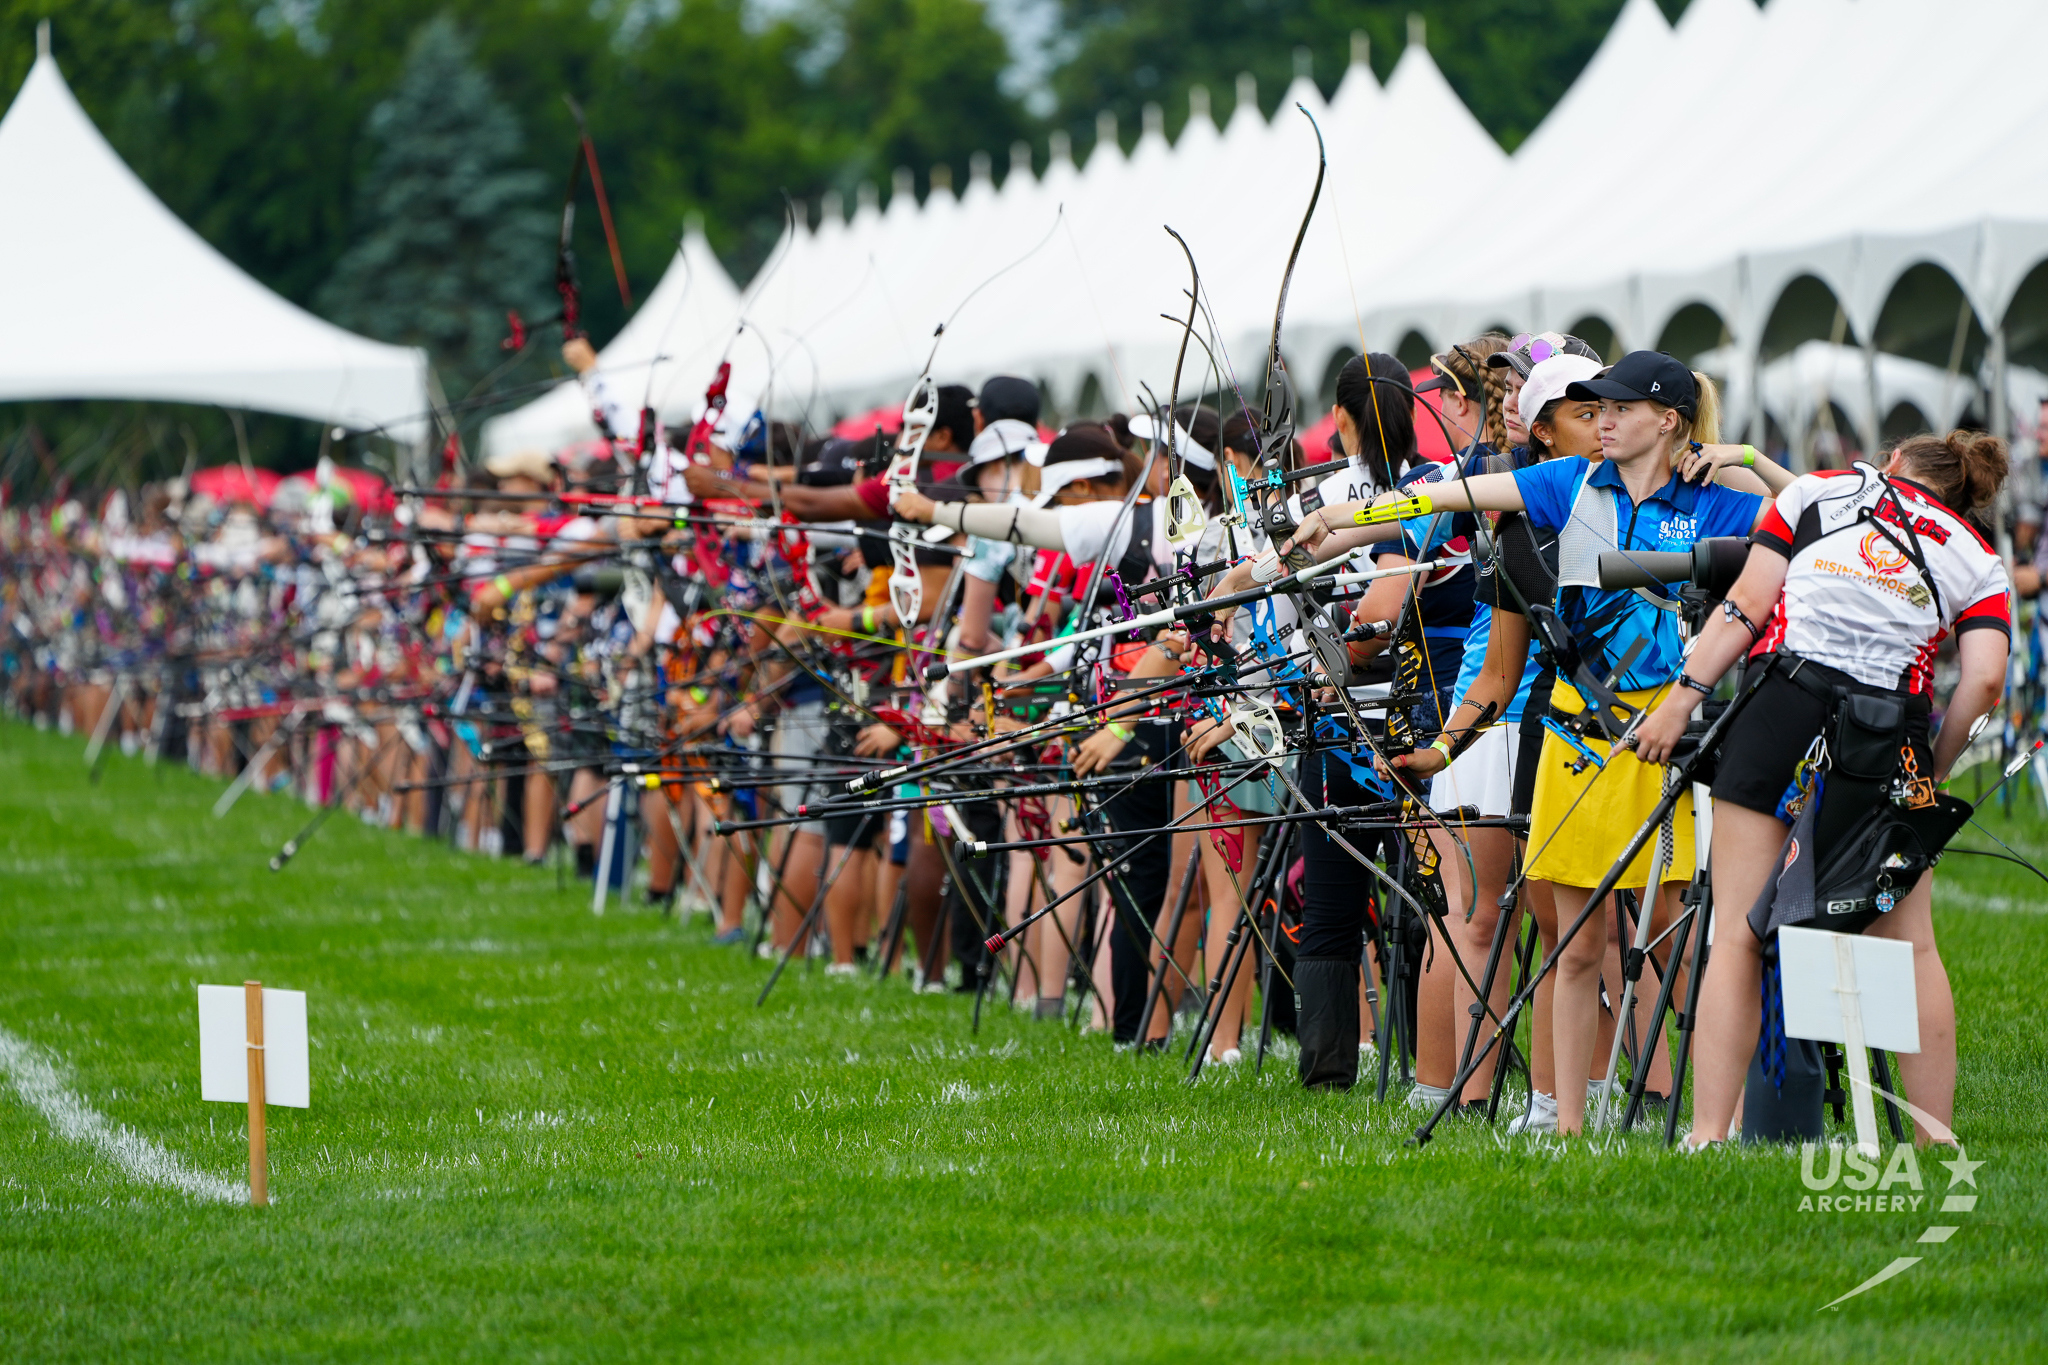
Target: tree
{"x": 913, "y": 83}
{"x": 453, "y": 229}
{"x": 1509, "y": 60}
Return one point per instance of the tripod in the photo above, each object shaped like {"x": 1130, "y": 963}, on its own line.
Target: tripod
{"x": 1695, "y": 902}
{"x": 1259, "y": 893}
{"x": 1679, "y": 779}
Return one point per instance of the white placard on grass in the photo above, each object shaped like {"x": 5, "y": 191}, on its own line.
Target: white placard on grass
{"x": 1853, "y": 990}
{"x": 224, "y": 1047}
{"x": 1883, "y": 982}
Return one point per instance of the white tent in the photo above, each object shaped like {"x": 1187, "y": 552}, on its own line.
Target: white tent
{"x": 671, "y": 344}
{"x": 108, "y": 295}
{"x": 1714, "y": 164}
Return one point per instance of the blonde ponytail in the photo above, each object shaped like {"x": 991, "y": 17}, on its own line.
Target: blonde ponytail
{"x": 1706, "y": 427}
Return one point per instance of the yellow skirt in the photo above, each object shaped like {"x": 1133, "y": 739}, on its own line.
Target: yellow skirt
{"x": 1611, "y": 804}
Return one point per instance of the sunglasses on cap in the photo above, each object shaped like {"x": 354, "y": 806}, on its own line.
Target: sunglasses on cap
{"x": 1539, "y": 346}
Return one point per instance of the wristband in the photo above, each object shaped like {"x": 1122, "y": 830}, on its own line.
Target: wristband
{"x": 503, "y": 585}
{"x": 1735, "y": 613}
{"x": 1442, "y": 746}
{"x": 867, "y": 620}
{"x": 1749, "y": 457}
{"x": 1123, "y": 733}
{"x": 699, "y": 695}
{"x": 1688, "y": 680}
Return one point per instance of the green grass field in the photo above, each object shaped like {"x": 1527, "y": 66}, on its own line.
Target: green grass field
{"x": 536, "y": 1134}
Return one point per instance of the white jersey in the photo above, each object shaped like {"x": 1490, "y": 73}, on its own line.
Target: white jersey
{"x": 1350, "y": 481}
{"x": 1854, "y": 598}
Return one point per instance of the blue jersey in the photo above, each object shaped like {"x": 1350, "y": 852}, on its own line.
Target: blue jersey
{"x": 1586, "y": 504}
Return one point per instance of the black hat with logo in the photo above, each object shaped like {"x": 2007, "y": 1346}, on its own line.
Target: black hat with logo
{"x": 1644, "y": 376}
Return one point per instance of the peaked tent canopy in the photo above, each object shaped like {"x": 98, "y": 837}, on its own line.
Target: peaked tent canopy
{"x": 108, "y": 295}
{"x": 1875, "y": 161}
{"x": 666, "y": 353}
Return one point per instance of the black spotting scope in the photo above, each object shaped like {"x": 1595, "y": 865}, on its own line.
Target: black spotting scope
{"x": 1711, "y": 565}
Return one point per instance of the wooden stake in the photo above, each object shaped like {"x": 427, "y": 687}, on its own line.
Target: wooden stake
{"x": 259, "y": 1159}
{"x": 1861, "y": 1106}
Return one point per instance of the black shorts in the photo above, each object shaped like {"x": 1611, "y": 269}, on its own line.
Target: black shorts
{"x": 1779, "y": 724}
{"x": 841, "y": 830}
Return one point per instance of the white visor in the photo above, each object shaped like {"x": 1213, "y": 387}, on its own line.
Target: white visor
{"x": 1058, "y": 476}
{"x": 1191, "y": 450}
{"x": 1003, "y": 439}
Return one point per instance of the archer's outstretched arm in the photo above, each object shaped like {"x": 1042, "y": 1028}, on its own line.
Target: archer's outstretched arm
{"x": 1480, "y": 492}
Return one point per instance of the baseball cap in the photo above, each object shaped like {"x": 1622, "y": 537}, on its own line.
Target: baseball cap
{"x": 1006, "y": 396}
{"x": 1531, "y": 349}
{"x": 1645, "y": 376}
{"x": 1549, "y": 379}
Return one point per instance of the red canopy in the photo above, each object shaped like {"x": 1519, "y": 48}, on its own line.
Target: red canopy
{"x": 1316, "y": 440}
{"x": 367, "y": 490}
{"x": 1429, "y": 437}
{"x": 231, "y": 483}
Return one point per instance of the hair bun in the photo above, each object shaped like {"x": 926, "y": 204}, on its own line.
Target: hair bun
{"x": 1964, "y": 468}
{"x": 1985, "y": 462}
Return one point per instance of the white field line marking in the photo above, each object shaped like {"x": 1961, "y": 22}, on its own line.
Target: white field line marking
{"x": 41, "y": 1088}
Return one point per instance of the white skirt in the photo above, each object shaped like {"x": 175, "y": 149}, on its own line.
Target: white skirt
{"x": 1483, "y": 776}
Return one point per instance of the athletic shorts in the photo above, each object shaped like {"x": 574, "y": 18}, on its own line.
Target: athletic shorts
{"x": 1482, "y": 777}
{"x": 1779, "y": 724}
{"x": 1252, "y": 794}
{"x": 799, "y": 738}
{"x": 841, "y": 830}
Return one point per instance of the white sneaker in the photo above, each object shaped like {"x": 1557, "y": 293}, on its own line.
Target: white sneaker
{"x": 1368, "y": 1057}
{"x": 844, "y": 969}
{"x": 1229, "y": 1057}
{"x": 765, "y": 951}
{"x": 1427, "y": 1096}
{"x": 1539, "y": 1117}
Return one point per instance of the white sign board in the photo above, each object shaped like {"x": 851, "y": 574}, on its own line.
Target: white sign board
{"x": 1883, "y": 981}
{"x": 224, "y": 1047}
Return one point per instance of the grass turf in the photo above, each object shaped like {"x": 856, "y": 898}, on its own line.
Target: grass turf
{"x": 536, "y": 1134}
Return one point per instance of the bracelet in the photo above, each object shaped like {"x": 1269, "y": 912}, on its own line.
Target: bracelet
{"x": 1749, "y": 457}
{"x": 1123, "y": 733}
{"x": 1688, "y": 680}
{"x": 503, "y": 585}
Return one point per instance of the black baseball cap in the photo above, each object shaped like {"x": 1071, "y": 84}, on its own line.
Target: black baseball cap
{"x": 1644, "y": 376}
{"x": 1005, "y": 395}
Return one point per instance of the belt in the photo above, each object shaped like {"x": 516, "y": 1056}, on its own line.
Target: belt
{"x": 1822, "y": 682}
